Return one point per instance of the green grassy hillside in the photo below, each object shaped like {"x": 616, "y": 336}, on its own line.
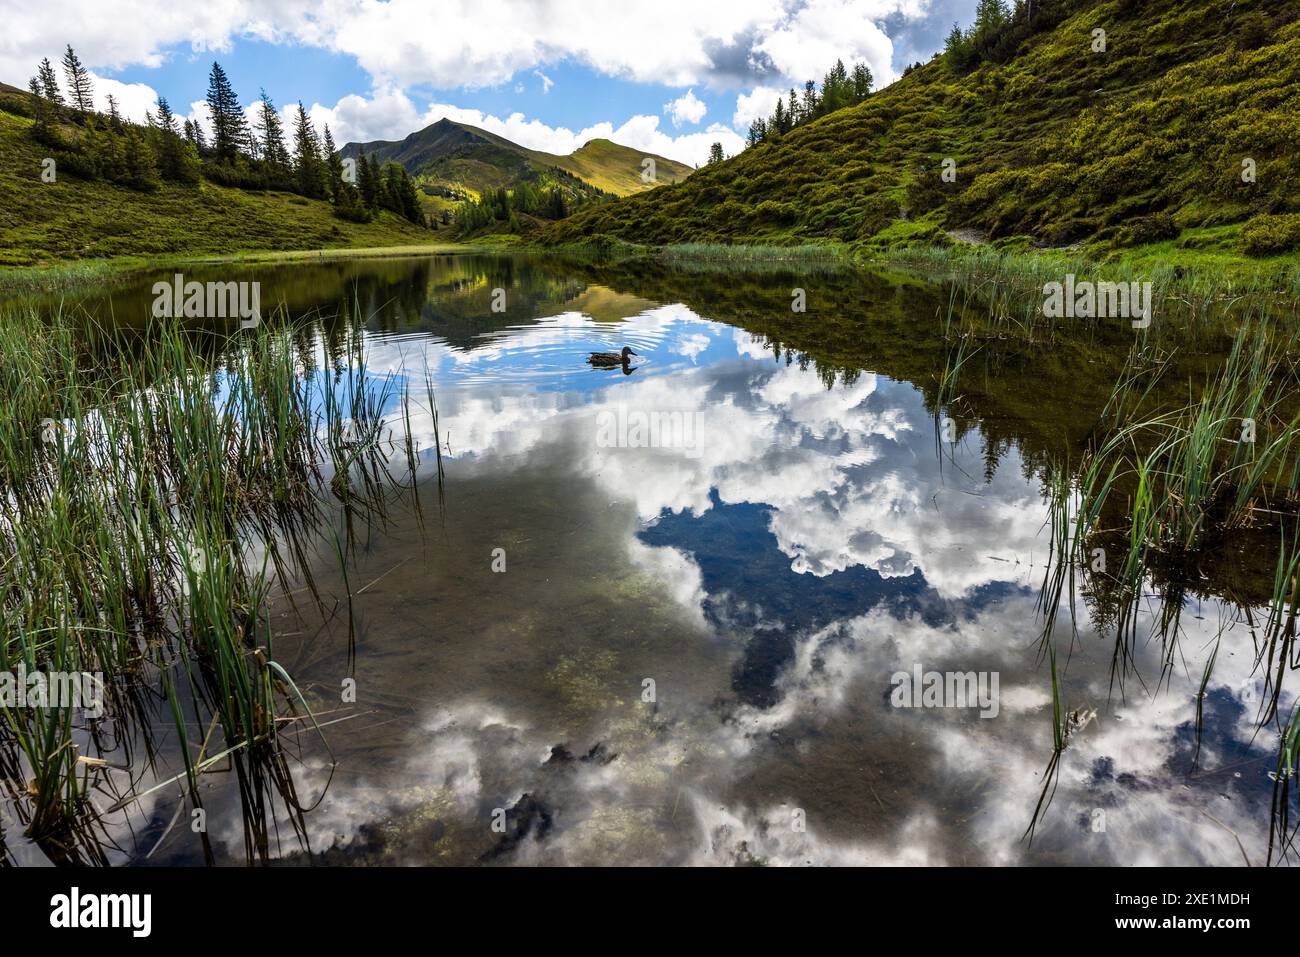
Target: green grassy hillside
{"x": 73, "y": 218}
{"x": 1058, "y": 145}
{"x": 617, "y": 169}
{"x": 465, "y": 159}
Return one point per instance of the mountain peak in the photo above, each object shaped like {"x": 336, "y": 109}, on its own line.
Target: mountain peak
{"x": 462, "y": 158}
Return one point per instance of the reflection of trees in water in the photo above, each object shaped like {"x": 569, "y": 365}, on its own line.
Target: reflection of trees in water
{"x": 1039, "y": 392}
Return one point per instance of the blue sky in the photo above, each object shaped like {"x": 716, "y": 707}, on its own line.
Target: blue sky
{"x": 670, "y": 77}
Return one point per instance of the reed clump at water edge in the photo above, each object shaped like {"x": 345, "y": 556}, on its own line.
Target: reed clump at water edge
{"x": 155, "y": 486}
{"x": 1160, "y": 492}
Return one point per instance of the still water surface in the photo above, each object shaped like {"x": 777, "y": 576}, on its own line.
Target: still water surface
{"x": 659, "y": 616}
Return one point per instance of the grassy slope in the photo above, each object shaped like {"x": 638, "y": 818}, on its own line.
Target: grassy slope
{"x": 617, "y": 169}
{"x": 1060, "y": 145}
{"x": 468, "y": 158}
{"x": 79, "y": 219}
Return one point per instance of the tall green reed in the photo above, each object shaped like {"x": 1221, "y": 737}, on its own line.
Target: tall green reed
{"x": 154, "y": 487}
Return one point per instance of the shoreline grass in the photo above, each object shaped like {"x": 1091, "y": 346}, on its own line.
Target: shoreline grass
{"x": 1204, "y": 285}
{"x": 153, "y": 488}
{"x": 78, "y": 275}
{"x": 1030, "y": 269}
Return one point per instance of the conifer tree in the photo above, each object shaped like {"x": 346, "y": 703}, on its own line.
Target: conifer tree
{"x": 861, "y": 81}
{"x": 810, "y": 105}
{"x": 306, "y": 156}
{"x": 140, "y": 166}
{"x": 376, "y": 177}
{"x": 43, "y": 119}
{"x": 366, "y": 183}
{"x": 176, "y": 158}
{"x": 194, "y": 133}
{"x": 49, "y": 84}
{"x": 269, "y": 125}
{"x": 333, "y": 164}
{"x": 79, "y": 85}
{"x": 114, "y": 116}
{"x": 958, "y": 50}
{"x": 229, "y": 131}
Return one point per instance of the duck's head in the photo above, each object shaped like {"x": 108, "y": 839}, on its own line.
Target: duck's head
{"x": 627, "y": 351}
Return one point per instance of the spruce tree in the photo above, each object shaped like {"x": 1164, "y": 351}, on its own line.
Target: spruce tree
{"x": 140, "y": 164}
{"x": 43, "y": 119}
{"x": 115, "y": 117}
{"x": 811, "y": 104}
{"x": 194, "y": 133}
{"x": 861, "y": 82}
{"x": 49, "y": 84}
{"x": 958, "y": 50}
{"x": 79, "y": 85}
{"x": 177, "y": 160}
{"x": 366, "y": 183}
{"x": 274, "y": 152}
{"x": 407, "y": 198}
{"x": 377, "y": 178}
{"x": 333, "y": 164}
{"x": 306, "y": 157}
{"x": 229, "y": 131}
{"x": 991, "y": 17}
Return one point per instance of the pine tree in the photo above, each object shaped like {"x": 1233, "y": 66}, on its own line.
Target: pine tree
{"x": 861, "y": 82}
{"x": 333, "y": 164}
{"x": 958, "y": 50}
{"x": 79, "y": 86}
{"x": 43, "y": 119}
{"x": 194, "y": 133}
{"x": 306, "y": 156}
{"x": 991, "y": 18}
{"x": 715, "y": 154}
{"x": 229, "y": 131}
{"x": 554, "y": 205}
{"x": 269, "y": 125}
{"x": 836, "y": 90}
{"x": 93, "y": 149}
{"x": 140, "y": 166}
{"x": 366, "y": 184}
{"x": 115, "y": 117}
{"x": 810, "y": 104}
{"x": 376, "y": 177}
{"x": 177, "y": 159}
{"x": 49, "y": 84}
{"x": 409, "y": 199}
{"x": 166, "y": 118}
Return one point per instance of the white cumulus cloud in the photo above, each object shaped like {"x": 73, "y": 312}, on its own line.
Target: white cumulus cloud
{"x": 687, "y": 108}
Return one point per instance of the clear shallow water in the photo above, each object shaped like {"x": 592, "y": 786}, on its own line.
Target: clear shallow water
{"x": 796, "y": 533}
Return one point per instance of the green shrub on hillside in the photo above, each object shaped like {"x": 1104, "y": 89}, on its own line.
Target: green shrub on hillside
{"x": 1148, "y": 229}
{"x": 1051, "y": 140}
{"x": 1266, "y": 235}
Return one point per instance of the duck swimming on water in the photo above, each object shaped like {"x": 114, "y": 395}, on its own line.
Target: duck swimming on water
{"x": 608, "y": 360}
